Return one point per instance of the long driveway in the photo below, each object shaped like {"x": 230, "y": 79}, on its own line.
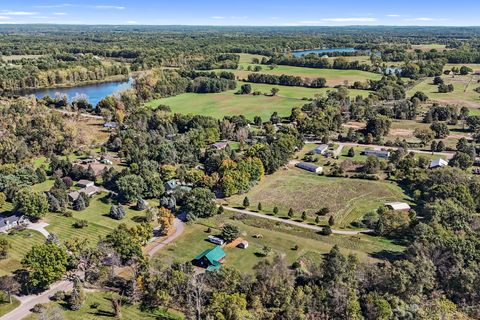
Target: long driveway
{"x": 446, "y": 154}
{"x": 28, "y": 302}
{"x": 296, "y": 223}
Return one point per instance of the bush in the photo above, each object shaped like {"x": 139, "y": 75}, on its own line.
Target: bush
{"x": 39, "y": 307}
{"x": 58, "y": 296}
{"x": 95, "y": 305}
{"x": 80, "y": 224}
{"x": 326, "y": 231}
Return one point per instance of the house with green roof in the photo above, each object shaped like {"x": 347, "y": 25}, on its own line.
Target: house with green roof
{"x": 210, "y": 259}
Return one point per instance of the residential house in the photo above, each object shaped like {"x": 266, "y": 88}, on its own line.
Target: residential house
{"x": 377, "y": 153}
{"x": 321, "y": 149}
{"x": 437, "y": 163}
{"x": 85, "y": 183}
{"x": 73, "y": 196}
{"x": 9, "y": 222}
{"x": 220, "y": 145}
{"x": 210, "y": 259}
{"x": 170, "y": 185}
{"x": 398, "y": 206}
{"x": 309, "y": 167}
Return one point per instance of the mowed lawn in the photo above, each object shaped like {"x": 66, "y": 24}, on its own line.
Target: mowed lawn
{"x": 104, "y": 310}
{"x": 228, "y": 103}
{"x": 20, "y": 242}
{"x": 347, "y": 199}
{"x": 463, "y": 94}
{"x": 280, "y": 237}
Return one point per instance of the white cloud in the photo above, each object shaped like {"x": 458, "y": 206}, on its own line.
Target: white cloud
{"x": 393, "y": 15}
{"x": 63, "y": 5}
{"x": 4, "y": 18}
{"x": 311, "y": 22}
{"x": 110, "y": 7}
{"x": 17, "y": 13}
{"x": 217, "y": 17}
{"x": 59, "y": 14}
{"x": 350, "y": 19}
{"x": 132, "y": 22}
{"x": 424, "y": 19}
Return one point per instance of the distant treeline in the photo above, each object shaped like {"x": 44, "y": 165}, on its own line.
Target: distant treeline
{"x": 316, "y": 61}
{"x": 286, "y": 80}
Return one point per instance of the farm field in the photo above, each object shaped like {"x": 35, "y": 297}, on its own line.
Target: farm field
{"x": 228, "y": 103}
{"x": 463, "y": 93}
{"x": 281, "y": 238}
{"x": 334, "y": 77}
{"x": 347, "y": 199}
{"x": 104, "y": 310}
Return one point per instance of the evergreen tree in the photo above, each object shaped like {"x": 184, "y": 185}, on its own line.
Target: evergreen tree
{"x": 290, "y": 213}
{"x": 304, "y": 216}
{"x": 259, "y": 206}
{"x": 331, "y": 221}
{"x": 246, "y": 202}
{"x": 77, "y": 298}
{"x": 275, "y": 210}
{"x": 79, "y": 204}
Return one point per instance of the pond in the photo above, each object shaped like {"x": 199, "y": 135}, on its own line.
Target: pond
{"x": 95, "y": 92}
{"x": 300, "y": 53}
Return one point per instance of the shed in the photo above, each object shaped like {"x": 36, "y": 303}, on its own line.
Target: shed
{"x": 73, "y": 196}
{"x": 89, "y": 191}
{"x": 210, "y": 259}
{"x": 377, "y": 153}
{"x": 309, "y": 167}
{"x": 321, "y": 149}
{"x": 170, "y": 185}
{"x": 243, "y": 244}
{"x": 398, "y": 206}
{"x": 437, "y": 163}
{"x": 85, "y": 183}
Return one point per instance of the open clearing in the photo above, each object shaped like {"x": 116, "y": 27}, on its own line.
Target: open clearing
{"x": 228, "y": 103}
{"x": 281, "y": 238}
{"x": 21, "y": 243}
{"x": 463, "y": 94}
{"x": 347, "y": 199}
{"x": 334, "y": 77}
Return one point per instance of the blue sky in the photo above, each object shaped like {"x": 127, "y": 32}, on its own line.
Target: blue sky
{"x": 244, "y": 12}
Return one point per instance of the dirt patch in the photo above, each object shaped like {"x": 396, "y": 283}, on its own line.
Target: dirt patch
{"x": 401, "y": 132}
{"x": 354, "y": 125}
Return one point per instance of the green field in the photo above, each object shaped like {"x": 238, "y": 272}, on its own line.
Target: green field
{"x": 463, "y": 93}
{"x": 104, "y": 310}
{"x": 347, "y": 199}
{"x": 7, "y": 307}
{"x": 21, "y": 243}
{"x": 280, "y": 237}
{"x": 334, "y": 77}
{"x": 228, "y": 103}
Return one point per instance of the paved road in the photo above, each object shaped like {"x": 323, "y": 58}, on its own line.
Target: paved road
{"x": 28, "y": 302}
{"x": 446, "y": 154}
{"x": 296, "y": 223}
{"x": 179, "y": 227}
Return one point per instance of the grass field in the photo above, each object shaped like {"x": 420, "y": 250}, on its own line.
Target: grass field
{"x": 463, "y": 93}
{"x": 280, "y": 237}
{"x": 99, "y": 223}
{"x": 105, "y": 311}
{"x": 334, "y": 77}
{"x": 347, "y": 199}
{"x": 228, "y": 103}
{"x": 7, "y": 307}
{"x": 428, "y": 47}
{"x": 21, "y": 242}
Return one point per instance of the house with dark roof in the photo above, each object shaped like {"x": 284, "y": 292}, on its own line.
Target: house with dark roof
{"x": 10, "y": 222}
{"x": 210, "y": 259}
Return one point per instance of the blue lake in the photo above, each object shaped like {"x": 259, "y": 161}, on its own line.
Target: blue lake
{"x": 94, "y": 92}
{"x": 322, "y": 51}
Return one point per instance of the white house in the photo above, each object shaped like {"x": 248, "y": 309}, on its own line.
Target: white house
{"x": 377, "y": 153}
{"x": 7, "y": 223}
{"x": 321, "y": 149}
{"x": 437, "y": 163}
{"x": 398, "y": 206}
